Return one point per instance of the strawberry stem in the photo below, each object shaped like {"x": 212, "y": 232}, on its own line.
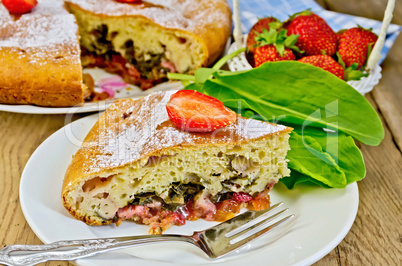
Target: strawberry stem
{"x": 180, "y": 76}
{"x": 227, "y": 57}
{"x": 217, "y": 66}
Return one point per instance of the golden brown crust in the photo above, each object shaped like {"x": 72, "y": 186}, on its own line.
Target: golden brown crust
{"x": 38, "y": 67}
{"x": 51, "y": 81}
{"x": 133, "y": 130}
{"x": 208, "y": 20}
{"x": 40, "y": 57}
{"x": 130, "y": 130}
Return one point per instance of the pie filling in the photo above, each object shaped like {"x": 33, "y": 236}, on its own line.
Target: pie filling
{"x": 152, "y": 210}
{"x": 143, "y": 70}
{"x": 185, "y": 184}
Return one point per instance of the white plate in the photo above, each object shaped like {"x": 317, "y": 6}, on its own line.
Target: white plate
{"x": 100, "y": 77}
{"x": 323, "y": 216}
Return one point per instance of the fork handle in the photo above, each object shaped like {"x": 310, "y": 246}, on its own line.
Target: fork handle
{"x": 74, "y": 249}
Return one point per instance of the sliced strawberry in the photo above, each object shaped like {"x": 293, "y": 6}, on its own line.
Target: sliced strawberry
{"x": 196, "y": 112}
{"x": 19, "y": 6}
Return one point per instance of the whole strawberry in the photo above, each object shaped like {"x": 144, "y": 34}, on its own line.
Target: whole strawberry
{"x": 355, "y": 45}
{"x": 258, "y": 28}
{"x": 269, "y": 53}
{"x": 274, "y": 46}
{"x": 316, "y": 36}
{"x": 325, "y": 62}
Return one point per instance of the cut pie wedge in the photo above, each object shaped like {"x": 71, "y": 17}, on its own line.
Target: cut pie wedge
{"x": 136, "y": 165}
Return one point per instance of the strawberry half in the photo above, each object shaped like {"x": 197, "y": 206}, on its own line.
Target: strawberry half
{"x": 196, "y": 112}
{"x": 19, "y": 6}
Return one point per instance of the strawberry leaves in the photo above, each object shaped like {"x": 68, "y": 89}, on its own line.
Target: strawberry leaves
{"x": 279, "y": 39}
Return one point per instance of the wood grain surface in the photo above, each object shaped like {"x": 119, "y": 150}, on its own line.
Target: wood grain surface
{"x": 376, "y": 235}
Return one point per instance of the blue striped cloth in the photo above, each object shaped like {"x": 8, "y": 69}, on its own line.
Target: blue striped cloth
{"x": 252, "y": 10}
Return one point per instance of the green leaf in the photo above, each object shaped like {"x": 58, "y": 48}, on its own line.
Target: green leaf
{"x": 299, "y": 93}
{"x": 224, "y": 59}
{"x": 296, "y": 178}
{"x": 202, "y": 74}
{"x": 275, "y": 25}
{"x": 354, "y": 75}
{"x": 340, "y": 61}
{"x": 346, "y": 157}
{"x": 291, "y": 40}
{"x": 280, "y": 48}
{"x": 342, "y": 149}
{"x": 351, "y": 73}
{"x": 307, "y": 157}
{"x": 329, "y": 159}
{"x": 282, "y": 35}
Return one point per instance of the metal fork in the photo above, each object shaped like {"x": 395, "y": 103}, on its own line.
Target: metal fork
{"x": 215, "y": 241}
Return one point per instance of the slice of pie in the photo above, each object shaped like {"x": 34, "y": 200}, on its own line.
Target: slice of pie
{"x": 136, "y": 165}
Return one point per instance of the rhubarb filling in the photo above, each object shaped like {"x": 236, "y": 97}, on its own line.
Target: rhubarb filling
{"x": 141, "y": 69}
{"x": 153, "y": 211}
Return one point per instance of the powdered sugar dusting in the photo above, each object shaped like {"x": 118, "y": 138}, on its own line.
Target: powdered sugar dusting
{"x": 47, "y": 29}
{"x": 130, "y": 130}
{"x": 179, "y": 14}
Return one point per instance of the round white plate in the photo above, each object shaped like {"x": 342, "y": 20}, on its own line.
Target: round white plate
{"x": 102, "y": 79}
{"x": 323, "y": 216}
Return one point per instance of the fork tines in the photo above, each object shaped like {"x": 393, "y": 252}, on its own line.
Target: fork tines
{"x": 221, "y": 239}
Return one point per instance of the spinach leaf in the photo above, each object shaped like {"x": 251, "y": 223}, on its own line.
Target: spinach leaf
{"x": 298, "y": 93}
{"x": 320, "y": 157}
{"x": 297, "y": 177}
{"x": 308, "y": 157}
{"x": 307, "y": 99}
{"x": 342, "y": 149}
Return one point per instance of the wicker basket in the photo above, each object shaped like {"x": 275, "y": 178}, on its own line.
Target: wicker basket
{"x": 364, "y": 85}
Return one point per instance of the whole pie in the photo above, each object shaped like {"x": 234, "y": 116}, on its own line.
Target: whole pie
{"x": 42, "y": 53}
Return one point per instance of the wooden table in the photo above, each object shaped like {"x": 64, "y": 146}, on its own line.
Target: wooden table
{"x": 374, "y": 239}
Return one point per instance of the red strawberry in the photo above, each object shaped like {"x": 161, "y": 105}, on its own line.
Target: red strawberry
{"x": 257, "y": 28}
{"x": 269, "y": 53}
{"x": 316, "y": 37}
{"x": 19, "y": 6}
{"x": 274, "y": 46}
{"x": 354, "y": 45}
{"x": 325, "y": 62}
{"x": 196, "y": 112}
